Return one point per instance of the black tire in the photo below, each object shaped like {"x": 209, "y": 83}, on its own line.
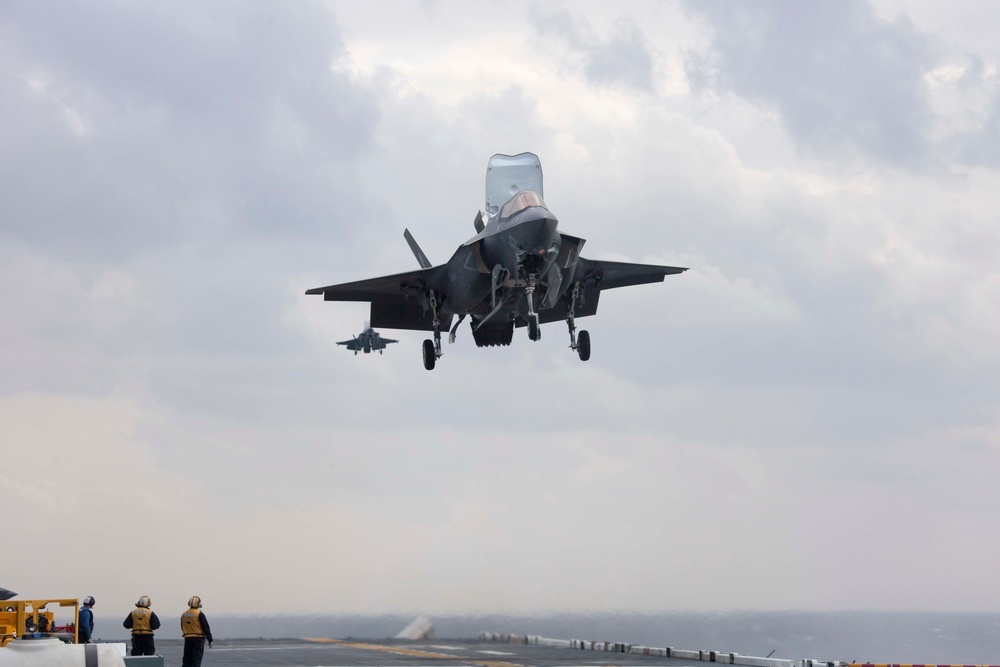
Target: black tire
{"x": 533, "y": 332}
{"x": 430, "y": 355}
{"x": 583, "y": 345}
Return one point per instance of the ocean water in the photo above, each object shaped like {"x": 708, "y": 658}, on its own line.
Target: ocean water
{"x": 866, "y": 636}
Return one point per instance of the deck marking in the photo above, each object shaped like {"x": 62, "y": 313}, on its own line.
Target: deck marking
{"x": 401, "y": 650}
{"x": 285, "y": 647}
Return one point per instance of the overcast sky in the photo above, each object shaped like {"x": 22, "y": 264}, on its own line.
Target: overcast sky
{"x": 809, "y": 418}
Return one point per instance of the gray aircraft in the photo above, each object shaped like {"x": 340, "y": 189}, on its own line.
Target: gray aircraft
{"x": 518, "y": 270}
{"x": 367, "y": 340}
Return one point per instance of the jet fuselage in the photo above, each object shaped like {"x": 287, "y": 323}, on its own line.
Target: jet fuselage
{"x": 526, "y": 246}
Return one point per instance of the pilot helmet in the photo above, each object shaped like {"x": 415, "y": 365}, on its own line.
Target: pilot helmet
{"x": 194, "y": 602}
{"x": 88, "y": 601}
{"x": 143, "y": 602}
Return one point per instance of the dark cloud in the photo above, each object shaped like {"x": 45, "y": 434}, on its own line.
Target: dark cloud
{"x": 624, "y": 59}
{"x": 130, "y": 126}
{"x": 844, "y": 81}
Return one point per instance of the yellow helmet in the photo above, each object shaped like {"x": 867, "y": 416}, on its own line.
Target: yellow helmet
{"x": 143, "y": 602}
{"x": 194, "y": 602}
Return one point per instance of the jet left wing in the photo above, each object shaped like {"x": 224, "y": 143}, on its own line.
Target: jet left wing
{"x": 367, "y": 290}
{"x": 398, "y": 301}
{"x": 351, "y": 344}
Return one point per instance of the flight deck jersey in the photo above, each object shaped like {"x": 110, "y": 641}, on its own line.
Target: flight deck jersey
{"x": 86, "y": 626}
{"x": 190, "y": 624}
{"x": 141, "y": 623}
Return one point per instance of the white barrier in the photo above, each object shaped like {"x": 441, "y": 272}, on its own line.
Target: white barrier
{"x": 751, "y": 661}
{"x": 682, "y": 653}
{"x": 667, "y": 652}
{"x": 53, "y": 653}
{"x": 545, "y": 641}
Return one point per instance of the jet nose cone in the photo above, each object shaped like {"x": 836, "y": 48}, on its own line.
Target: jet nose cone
{"x": 539, "y": 232}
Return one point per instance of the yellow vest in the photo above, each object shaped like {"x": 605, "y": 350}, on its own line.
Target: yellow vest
{"x": 140, "y": 621}
{"x": 190, "y": 625}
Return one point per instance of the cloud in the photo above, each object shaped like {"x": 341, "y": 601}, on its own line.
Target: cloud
{"x": 623, "y": 59}
{"x": 844, "y": 81}
{"x": 981, "y": 145}
{"x": 823, "y": 369}
{"x": 136, "y": 128}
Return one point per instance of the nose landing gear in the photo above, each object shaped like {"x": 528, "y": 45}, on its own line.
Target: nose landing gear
{"x": 534, "y": 332}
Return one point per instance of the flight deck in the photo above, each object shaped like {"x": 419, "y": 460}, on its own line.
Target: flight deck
{"x": 404, "y": 653}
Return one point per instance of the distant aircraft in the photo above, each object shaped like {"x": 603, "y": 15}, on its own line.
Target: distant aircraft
{"x": 367, "y": 340}
{"x": 517, "y": 271}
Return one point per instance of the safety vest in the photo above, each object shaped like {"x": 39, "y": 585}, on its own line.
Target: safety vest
{"x": 141, "y": 621}
{"x": 191, "y": 624}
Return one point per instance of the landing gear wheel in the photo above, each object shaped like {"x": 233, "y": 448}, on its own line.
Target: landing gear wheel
{"x": 533, "y": 332}
{"x": 430, "y": 355}
{"x": 583, "y": 345}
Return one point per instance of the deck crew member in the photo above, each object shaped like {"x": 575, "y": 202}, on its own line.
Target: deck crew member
{"x": 85, "y": 621}
{"x": 194, "y": 627}
{"x": 142, "y": 622}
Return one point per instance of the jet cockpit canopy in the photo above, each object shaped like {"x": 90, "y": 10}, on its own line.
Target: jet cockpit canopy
{"x": 522, "y": 200}
{"x": 506, "y": 175}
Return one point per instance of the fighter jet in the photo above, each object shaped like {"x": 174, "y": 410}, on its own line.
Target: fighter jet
{"x": 518, "y": 271}
{"x": 367, "y": 340}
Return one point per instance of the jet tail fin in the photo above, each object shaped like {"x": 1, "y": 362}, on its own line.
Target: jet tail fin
{"x": 478, "y": 222}
{"x": 417, "y": 252}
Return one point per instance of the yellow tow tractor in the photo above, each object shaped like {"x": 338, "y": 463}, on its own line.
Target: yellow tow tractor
{"x": 19, "y": 618}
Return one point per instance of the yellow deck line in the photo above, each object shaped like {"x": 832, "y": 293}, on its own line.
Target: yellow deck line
{"x": 402, "y": 650}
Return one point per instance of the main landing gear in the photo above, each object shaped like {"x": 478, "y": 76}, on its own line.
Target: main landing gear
{"x": 430, "y": 355}
{"x": 583, "y": 345}
{"x": 579, "y": 343}
{"x": 432, "y": 349}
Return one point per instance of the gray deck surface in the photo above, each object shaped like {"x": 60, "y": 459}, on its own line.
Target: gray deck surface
{"x": 367, "y": 652}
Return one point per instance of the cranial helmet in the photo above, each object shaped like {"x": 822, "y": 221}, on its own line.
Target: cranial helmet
{"x": 143, "y": 602}
{"x": 88, "y": 601}
{"x": 194, "y": 602}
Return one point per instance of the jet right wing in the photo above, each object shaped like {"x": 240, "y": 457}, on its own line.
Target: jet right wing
{"x": 351, "y": 344}
{"x": 609, "y": 275}
{"x": 398, "y": 301}
{"x": 595, "y": 276}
